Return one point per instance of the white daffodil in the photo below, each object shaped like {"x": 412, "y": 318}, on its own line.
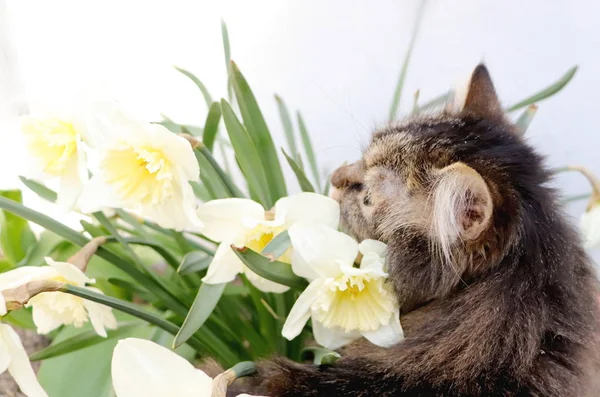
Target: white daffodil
{"x": 13, "y": 358}
{"x": 243, "y": 222}
{"x": 590, "y": 227}
{"x": 144, "y": 368}
{"x": 55, "y": 145}
{"x": 143, "y": 167}
{"x": 53, "y": 309}
{"x": 344, "y": 302}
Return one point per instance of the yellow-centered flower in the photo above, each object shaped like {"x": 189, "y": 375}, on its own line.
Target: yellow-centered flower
{"x": 345, "y": 302}
{"x": 53, "y": 309}
{"x": 56, "y": 150}
{"x": 145, "y": 168}
{"x": 243, "y": 222}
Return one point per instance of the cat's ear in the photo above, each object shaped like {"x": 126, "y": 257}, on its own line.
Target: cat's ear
{"x": 462, "y": 205}
{"x": 478, "y": 97}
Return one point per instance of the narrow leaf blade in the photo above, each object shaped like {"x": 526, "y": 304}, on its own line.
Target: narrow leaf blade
{"x": 284, "y": 114}
{"x": 193, "y": 262}
{"x": 305, "y": 184}
{"x": 546, "y": 92}
{"x": 525, "y": 119}
{"x": 199, "y": 84}
{"x": 308, "y": 150}
{"x": 211, "y": 126}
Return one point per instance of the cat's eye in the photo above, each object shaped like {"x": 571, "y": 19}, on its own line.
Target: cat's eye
{"x": 357, "y": 187}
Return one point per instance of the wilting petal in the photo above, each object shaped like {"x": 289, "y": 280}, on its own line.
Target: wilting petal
{"x": 20, "y": 276}
{"x": 70, "y": 272}
{"x": 322, "y": 249}
{"x": 263, "y": 284}
{"x": 590, "y": 227}
{"x": 301, "y": 311}
{"x": 308, "y": 208}
{"x": 19, "y": 366}
{"x": 144, "y": 368}
{"x": 332, "y": 338}
{"x": 223, "y": 219}
{"x": 101, "y": 316}
{"x": 387, "y": 335}
{"x": 224, "y": 266}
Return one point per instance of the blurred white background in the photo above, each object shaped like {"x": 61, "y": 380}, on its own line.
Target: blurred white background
{"x": 337, "y": 61}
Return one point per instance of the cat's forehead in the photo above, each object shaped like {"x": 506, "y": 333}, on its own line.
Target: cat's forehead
{"x": 415, "y": 140}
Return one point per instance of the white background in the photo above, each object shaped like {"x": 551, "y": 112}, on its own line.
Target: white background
{"x": 336, "y": 61}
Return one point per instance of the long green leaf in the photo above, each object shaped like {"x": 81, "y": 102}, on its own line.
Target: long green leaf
{"x": 277, "y": 246}
{"x": 525, "y": 119}
{"x": 308, "y": 149}
{"x": 546, "y": 92}
{"x": 247, "y": 154}
{"x": 80, "y": 240}
{"x": 434, "y": 102}
{"x": 227, "y": 51}
{"x": 305, "y": 184}
{"x": 81, "y": 341}
{"x": 284, "y": 114}
{"x": 400, "y": 85}
{"x": 39, "y": 189}
{"x": 198, "y": 83}
{"x": 206, "y": 300}
{"x": 234, "y": 191}
{"x": 275, "y": 271}
{"x": 211, "y": 126}
{"x": 193, "y": 262}
{"x": 15, "y": 234}
{"x": 259, "y": 135}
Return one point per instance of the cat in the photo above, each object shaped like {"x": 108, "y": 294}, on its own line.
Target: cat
{"x": 497, "y": 296}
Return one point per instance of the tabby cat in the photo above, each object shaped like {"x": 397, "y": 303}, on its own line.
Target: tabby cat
{"x": 497, "y": 296}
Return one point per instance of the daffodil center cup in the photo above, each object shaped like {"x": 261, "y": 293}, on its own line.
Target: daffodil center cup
{"x": 140, "y": 175}
{"x": 260, "y": 236}
{"x": 355, "y": 303}
{"x": 52, "y": 141}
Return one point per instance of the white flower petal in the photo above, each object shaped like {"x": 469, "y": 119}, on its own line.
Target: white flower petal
{"x": 590, "y": 227}
{"x": 373, "y": 246}
{"x": 70, "y": 187}
{"x": 308, "y": 208}
{"x": 20, "y": 367}
{"x": 21, "y": 276}
{"x": 322, "y": 250}
{"x": 96, "y": 196}
{"x": 224, "y": 267}
{"x": 101, "y": 316}
{"x": 223, "y": 219}
{"x": 332, "y": 338}
{"x": 70, "y": 272}
{"x": 387, "y": 335}
{"x": 44, "y": 320}
{"x": 263, "y": 284}
{"x": 144, "y": 368}
{"x": 301, "y": 311}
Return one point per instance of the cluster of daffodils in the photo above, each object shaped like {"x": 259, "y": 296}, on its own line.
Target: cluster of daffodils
{"x": 346, "y": 300}
{"x": 37, "y": 287}
{"x": 138, "y": 165}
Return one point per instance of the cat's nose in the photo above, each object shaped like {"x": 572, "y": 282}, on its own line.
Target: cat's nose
{"x": 345, "y": 176}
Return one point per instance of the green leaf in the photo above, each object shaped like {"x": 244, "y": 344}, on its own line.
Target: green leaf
{"x": 259, "y": 134}
{"x": 275, "y": 271}
{"x": 287, "y": 127}
{"x": 308, "y": 149}
{"x": 15, "y": 234}
{"x": 194, "y": 262}
{"x": 227, "y": 51}
{"x": 305, "y": 184}
{"x": 277, "y": 246}
{"x": 398, "y": 92}
{"x": 206, "y": 300}
{"x": 211, "y": 126}
{"x": 546, "y": 92}
{"x": 321, "y": 356}
{"x": 39, "y": 189}
{"x": 246, "y": 154}
{"x": 198, "y": 83}
{"x": 80, "y": 240}
{"x": 434, "y": 102}
{"x": 20, "y": 318}
{"x": 224, "y": 177}
{"x": 46, "y": 244}
{"x": 415, "y": 108}
{"x": 525, "y": 119}
{"x": 82, "y": 340}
